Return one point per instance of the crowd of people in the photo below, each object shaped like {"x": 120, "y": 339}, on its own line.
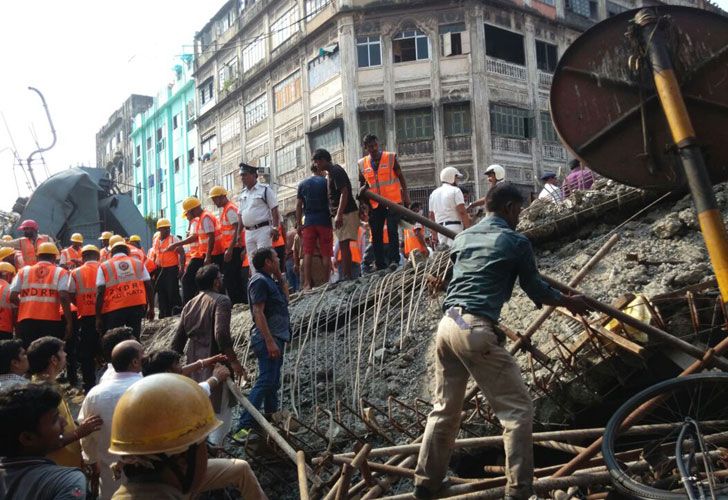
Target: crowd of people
{"x": 147, "y": 421}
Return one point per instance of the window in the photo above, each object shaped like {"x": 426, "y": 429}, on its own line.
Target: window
{"x": 208, "y": 147}
{"x": 586, "y": 8}
{"x": 161, "y": 144}
{"x": 227, "y": 72}
{"x": 161, "y": 213}
{"x": 227, "y": 181}
{"x": 138, "y": 151}
{"x": 230, "y": 128}
{"x": 175, "y": 122}
{"x": 284, "y": 27}
{"x": 369, "y": 51}
{"x": 457, "y": 119}
{"x": 139, "y": 193}
{"x": 323, "y": 68}
{"x": 372, "y": 122}
{"x": 150, "y": 180}
{"x": 288, "y": 91}
{"x": 253, "y": 53}
{"x": 149, "y": 143}
{"x": 454, "y": 40}
{"x": 548, "y": 133}
{"x": 510, "y": 121}
{"x": 290, "y": 156}
{"x": 414, "y": 125}
{"x": 331, "y": 140}
{"x": 159, "y": 134}
{"x": 410, "y": 45}
{"x": 176, "y": 164}
{"x": 190, "y": 110}
{"x": 313, "y": 6}
{"x": 546, "y": 57}
{"x": 206, "y": 91}
{"x": 505, "y": 45}
{"x": 256, "y": 111}
{"x": 614, "y": 8}
{"x": 191, "y": 156}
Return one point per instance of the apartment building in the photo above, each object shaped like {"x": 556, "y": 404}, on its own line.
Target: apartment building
{"x": 442, "y": 83}
{"x": 165, "y": 152}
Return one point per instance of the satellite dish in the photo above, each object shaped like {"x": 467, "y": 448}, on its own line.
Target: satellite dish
{"x": 601, "y": 91}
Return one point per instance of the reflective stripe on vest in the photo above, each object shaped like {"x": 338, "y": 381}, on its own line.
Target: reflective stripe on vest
{"x": 411, "y": 242}
{"x": 192, "y": 251}
{"x": 84, "y": 278}
{"x": 124, "y": 285}
{"x": 39, "y": 286}
{"x": 202, "y": 236}
{"x": 6, "y": 308}
{"x": 27, "y": 249}
{"x": 227, "y": 230}
{"x": 383, "y": 181}
{"x": 162, "y": 256}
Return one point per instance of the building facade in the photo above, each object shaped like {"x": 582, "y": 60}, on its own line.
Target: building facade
{"x": 165, "y": 151}
{"x": 442, "y": 83}
{"x": 114, "y": 149}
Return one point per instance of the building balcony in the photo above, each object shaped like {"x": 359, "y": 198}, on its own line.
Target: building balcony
{"x": 511, "y": 145}
{"x": 552, "y": 151}
{"x": 504, "y": 68}
{"x": 545, "y": 79}
{"x": 415, "y": 148}
{"x": 207, "y": 106}
{"x": 458, "y": 143}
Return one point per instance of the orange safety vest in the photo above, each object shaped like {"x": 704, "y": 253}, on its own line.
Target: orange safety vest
{"x": 382, "y": 181}
{"x": 6, "y": 308}
{"x": 104, "y": 254}
{"x": 137, "y": 253}
{"x": 27, "y": 249}
{"x": 227, "y": 230}
{"x": 150, "y": 263}
{"x": 281, "y": 240}
{"x": 84, "y": 279}
{"x": 192, "y": 251}
{"x": 202, "y": 237}
{"x": 355, "y": 246}
{"x": 39, "y": 287}
{"x": 124, "y": 284}
{"x": 411, "y": 242}
{"x": 162, "y": 256}
{"x": 71, "y": 257}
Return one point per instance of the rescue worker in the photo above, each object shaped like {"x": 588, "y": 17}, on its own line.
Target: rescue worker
{"x": 29, "y": 243}
{"x": 494, "y": 174}
{"x": 135, "y": 248}
{"x": 189, "y": 284}
{"x": 8, "y": 311}
{"x": 414, "y": 238}
{"x": 104, "y": 252}
{"x": 205, "y": 238}
{"x": 447, "y": 205}
{"x": 158, "y": 431}
{"x": 231, "y": 244}
{"x": 124, "y": 292}
{"x": 380, "y": 172}
{"x": 170, "y": 267}
{"x": 71, "y": 255}
{"x": 12, "y": 257}
{"x": 82, "y": 288}
{"x": 41, "y": 293}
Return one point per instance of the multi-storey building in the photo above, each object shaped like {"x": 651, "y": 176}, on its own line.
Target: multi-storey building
{"x": 443, "y": 83}
{"x": 114, "y": 150}
{"x": 165, "y": 150}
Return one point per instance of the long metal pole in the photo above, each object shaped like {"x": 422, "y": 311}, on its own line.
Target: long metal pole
{"x": 409, "y": 214}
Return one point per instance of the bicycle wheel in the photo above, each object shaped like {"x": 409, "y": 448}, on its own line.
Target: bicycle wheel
{"x": 643, "y": 461}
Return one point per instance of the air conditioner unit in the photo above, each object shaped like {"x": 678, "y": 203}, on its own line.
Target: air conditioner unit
{"x": 263, "y": 170}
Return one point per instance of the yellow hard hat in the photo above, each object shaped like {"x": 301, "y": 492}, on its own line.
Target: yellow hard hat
{"x": 7, "y": 237}
{"x": 106, "y": 235}
{"x": 6, "y": 252}
{"x": 218, "y": 191}
{"x": 77, "y": 238}
{"x": 135, "y": 237}
{"x": 163, "y": 223}
{"x": 184, "y": 214}
{"x": 190, "y": 203}
{"x": 90, "y": 248}
{"x": 162, "y": 413}
{"x": 47, "y": 248}
{"x": 7, "y": 267}
{"x": 119, "y": 243}
{"x": 115, "y": 239}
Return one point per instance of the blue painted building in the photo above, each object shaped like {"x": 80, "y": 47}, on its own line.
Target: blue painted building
{"x": 165, "y": 150}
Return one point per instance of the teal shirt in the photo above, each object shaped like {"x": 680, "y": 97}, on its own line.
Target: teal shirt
{"x": 487, "y": 258}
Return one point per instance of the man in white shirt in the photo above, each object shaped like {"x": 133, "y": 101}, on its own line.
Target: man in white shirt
{"x": 551, "y": 191}
{"x": 126, "y": 358}
{"x": 259, "y": 215}
{"x": 447, "y": 205}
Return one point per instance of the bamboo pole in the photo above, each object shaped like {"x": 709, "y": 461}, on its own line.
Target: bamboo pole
{"x": 340, "y": 489}
{"x": 302, "y": 480}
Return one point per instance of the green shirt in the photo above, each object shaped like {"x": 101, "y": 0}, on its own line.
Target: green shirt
{"x": 487, "y": 258}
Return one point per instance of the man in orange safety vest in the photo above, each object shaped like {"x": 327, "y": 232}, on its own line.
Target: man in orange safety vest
{"x": 29, "y": 243}
{"x": 231, "y": 244}
{"x": 8, "y": 310}
{"x": 71, "y": 255}
{"x": 170, "y": 266}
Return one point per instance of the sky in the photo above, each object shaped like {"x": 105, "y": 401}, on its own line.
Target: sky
{"x": 87, "y": 57}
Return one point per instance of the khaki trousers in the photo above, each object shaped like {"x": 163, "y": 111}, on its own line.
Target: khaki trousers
{"x": 475, "y": 352}
{"x": 224, "y": 472}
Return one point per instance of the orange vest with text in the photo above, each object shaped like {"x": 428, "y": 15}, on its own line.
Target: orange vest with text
{"x": 202, "y": 236}
{"x": 227, "y": 230}
{"x": 39, "y": 287}
{"x": 27, "y": 249}
{"x": 6, "y": 308}
{"x": 71, "y": 257}
{"x": 382, "y": 181}
{"x": 84, "y": 278}
{"x": 411, "y": 242}
{"x": 124, "y": 284}
{"x": 162, "y": 256}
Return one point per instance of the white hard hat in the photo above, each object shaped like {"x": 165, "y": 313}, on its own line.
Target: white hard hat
{"x": 449, "y": 174}
{"x": 500, "y": 172}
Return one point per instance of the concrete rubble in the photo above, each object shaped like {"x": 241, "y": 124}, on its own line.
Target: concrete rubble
{"x": 360, "y": 367}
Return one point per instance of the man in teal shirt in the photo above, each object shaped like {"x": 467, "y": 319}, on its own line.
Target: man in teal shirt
{"x": 487, "y": 259}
